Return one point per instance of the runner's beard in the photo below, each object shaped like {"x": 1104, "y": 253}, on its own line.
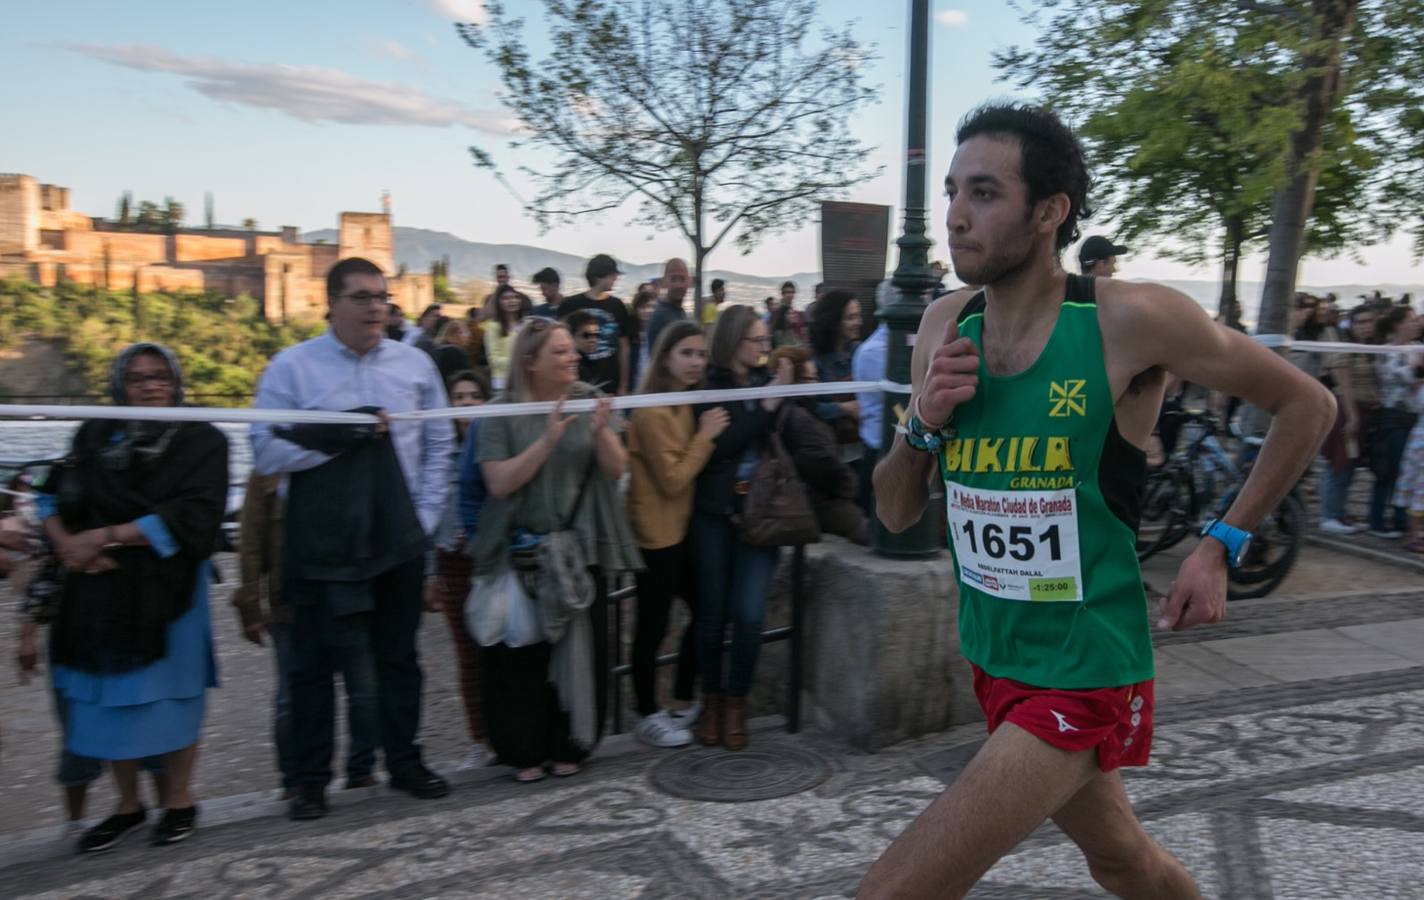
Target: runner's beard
{"x": 998, "y": 260}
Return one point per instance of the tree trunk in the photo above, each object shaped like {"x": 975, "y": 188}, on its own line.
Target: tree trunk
{"x": 1230, "y": 263}
{"x": 1290, "y": 207}
{"x": 699, "y": 254}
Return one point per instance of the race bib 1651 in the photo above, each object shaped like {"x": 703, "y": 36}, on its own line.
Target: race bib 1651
{"x": 1017, "y": 545}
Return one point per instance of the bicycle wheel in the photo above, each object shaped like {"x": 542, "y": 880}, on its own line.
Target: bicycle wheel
{"x": 1274, "y": 547}
{"x": 1166, "y": 500}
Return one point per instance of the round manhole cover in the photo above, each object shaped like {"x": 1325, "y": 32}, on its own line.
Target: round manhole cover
{"x": 763, "y": 771}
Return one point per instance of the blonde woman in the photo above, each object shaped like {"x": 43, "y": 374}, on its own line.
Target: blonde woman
{"x": 545, "y": 702}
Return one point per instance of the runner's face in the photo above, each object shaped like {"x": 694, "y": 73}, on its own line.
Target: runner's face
{"x": 510, "y": 302}
{"x": 1363, "y": 326}
{"x": 550, "y": 292}
{"x": 687, "y": 363}
{"x": 990, "y": 220}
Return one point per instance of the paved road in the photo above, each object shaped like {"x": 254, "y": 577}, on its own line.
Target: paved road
{"x": 1288, "y": 762}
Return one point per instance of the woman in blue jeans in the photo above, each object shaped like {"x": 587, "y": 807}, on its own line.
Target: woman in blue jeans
{"x": 733, "y": 577}
{"x": 1397, "y": 379}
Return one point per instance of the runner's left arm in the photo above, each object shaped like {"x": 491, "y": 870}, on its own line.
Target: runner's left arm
{"x": 1170, "y": 330}
{"x": 1157, "y": 326}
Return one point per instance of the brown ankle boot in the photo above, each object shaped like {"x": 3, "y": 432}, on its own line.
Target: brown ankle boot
{"x": 735, "y": 737}
{"x": 709, "y": 727}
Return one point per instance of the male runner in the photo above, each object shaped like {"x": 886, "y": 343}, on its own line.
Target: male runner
{"x": 1041, "y": 391}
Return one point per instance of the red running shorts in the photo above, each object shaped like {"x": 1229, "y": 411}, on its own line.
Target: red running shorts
{"x": 1117, "y": 722}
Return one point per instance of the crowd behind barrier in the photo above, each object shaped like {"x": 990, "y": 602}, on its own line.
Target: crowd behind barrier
{"x": 538, "y": 454}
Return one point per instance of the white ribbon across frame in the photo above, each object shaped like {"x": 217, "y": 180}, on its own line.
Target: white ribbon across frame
{"x": 498, "y": 410}
{"x": 489, "y": 411}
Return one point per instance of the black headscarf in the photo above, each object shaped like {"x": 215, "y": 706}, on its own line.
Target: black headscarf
{"x": 118, "y": 472}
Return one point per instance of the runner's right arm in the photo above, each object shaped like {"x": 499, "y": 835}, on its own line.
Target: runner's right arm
{"x": 903, "y": 477}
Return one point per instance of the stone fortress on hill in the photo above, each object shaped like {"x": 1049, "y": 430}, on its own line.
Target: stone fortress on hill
{"x": 44, "y": 241}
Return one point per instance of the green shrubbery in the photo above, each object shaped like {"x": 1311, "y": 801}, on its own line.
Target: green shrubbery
{"x": 223, "y": 342}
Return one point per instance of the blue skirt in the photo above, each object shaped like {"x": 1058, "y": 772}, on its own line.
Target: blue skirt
{"x": 150, "y": 711}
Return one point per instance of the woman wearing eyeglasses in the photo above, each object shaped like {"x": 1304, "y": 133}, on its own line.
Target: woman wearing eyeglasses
{"x": 133, "y": 516}
{"x": 550, "y": 516}
{"x": 733, "y": 577}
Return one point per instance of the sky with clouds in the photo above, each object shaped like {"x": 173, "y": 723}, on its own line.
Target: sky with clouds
{"x": 291, "y": 112}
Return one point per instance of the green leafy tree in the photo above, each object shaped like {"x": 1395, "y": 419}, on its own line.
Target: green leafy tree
{"x": 224, "y": 342}
{"x": 125, "y": 214}
{"x": 727, "y": 120}
{"x": 150, "y": 217}
{"x": 1190, "y": 111}
{"x": 172, "y": 215}
{"x": 440, "y": 276}
{"x": 249, "y": 224}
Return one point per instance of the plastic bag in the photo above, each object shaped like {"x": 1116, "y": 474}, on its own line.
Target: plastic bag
{"x": 499, "y": 611}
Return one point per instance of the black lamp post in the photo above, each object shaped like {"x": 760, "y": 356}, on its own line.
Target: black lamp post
{"x": 914, "y": 280}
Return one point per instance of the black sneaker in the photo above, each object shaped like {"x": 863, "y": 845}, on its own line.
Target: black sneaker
{"x": 176, "y": 825}
{"x": 109, "y": 832}
{"x": 309, "y": 803}
{"x": 420, "y": 783}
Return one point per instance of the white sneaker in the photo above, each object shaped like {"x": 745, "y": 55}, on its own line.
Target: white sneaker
{"x": 1335, "y": 526}
{"x": 685, "y": 718}
{"x": 477, "y": 758}
{"x": 658, "y": 730}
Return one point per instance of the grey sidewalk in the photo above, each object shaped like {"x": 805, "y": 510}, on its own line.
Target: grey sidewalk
{"x": 1291, "y": 730}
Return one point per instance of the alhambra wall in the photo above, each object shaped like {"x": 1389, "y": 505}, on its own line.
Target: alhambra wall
{"x": 43, "y": 240}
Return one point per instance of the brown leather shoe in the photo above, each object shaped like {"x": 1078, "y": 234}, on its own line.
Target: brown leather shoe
{"x": 709, "y": 727}
{"x": 735, "y": 736}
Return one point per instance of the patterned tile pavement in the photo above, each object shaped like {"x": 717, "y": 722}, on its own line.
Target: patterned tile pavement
{"x": 1306, "y": 790}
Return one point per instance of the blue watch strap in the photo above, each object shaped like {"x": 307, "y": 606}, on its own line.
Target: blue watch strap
{"x": 1233, "y": 538}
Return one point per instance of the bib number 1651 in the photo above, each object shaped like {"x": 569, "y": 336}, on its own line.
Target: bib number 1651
{"x": 1017, "y": 541}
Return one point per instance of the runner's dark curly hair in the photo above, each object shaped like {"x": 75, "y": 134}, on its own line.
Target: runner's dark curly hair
{"x": 1051, "y": 161}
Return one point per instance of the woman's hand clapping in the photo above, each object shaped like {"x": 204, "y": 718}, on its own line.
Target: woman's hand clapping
{"x": 713, "y": 422}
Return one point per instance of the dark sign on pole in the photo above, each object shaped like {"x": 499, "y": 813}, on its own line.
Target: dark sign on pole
{"x": 855, "y": 240}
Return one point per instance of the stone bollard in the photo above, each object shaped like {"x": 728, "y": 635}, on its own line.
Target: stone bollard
{"x": 880, "y": 656}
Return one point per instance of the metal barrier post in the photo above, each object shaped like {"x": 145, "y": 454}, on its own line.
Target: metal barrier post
{"x": 798, "y": 608}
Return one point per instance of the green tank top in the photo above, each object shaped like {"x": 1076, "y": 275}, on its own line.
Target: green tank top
{"x": 1043, "y": 496}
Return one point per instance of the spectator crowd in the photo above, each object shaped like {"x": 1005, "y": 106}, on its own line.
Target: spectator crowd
{"x": 510, "y": 527}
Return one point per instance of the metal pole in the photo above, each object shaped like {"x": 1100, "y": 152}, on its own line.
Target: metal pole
{"x": 914, "y": 279}
{"x": 798, "y": 622}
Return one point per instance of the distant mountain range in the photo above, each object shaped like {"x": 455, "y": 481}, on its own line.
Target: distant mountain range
{"x": 416, "y": 248}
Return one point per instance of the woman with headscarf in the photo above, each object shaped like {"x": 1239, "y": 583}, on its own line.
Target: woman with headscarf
{"x": 134, "y": 514}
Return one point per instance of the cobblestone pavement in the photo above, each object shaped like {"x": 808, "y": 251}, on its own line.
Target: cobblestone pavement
{"x": 1267, "y": 780}
{"x": 1308, "y": 790}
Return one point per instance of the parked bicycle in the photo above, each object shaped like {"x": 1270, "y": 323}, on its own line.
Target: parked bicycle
{"x": 1199, "y": 483}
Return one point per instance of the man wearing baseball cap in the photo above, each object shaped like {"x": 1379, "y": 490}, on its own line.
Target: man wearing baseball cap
{"x": 610, "y": 358}
{"x": 1098, "y": 256}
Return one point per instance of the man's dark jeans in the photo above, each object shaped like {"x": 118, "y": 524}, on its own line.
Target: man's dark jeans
{"x": 357, "y": 666}
{"x": 321, "y": 641}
